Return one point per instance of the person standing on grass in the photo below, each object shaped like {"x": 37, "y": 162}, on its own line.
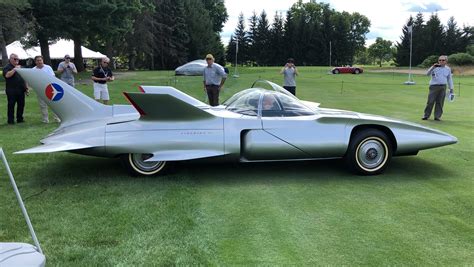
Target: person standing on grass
{"x": 67, "y": 69}
{"x": 214, "y": 78}
{"x": 289, "y": 72}
{"x": 16, "y": 90}
{"x": 101, "y": 75}
{"x": 440, "y": 77}
{"x": 43, "y": 106}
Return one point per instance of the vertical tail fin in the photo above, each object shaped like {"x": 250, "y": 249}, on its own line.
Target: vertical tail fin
{"x": 71, "y": 105}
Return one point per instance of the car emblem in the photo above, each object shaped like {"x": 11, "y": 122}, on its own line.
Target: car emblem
{"x": 54, "y": 92}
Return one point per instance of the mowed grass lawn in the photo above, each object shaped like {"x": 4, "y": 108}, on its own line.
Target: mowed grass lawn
{"x": 88, "y": 212}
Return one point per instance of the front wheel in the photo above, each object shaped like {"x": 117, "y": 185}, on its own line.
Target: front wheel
{"x": 356, "y": 71}
{"x": 137, "y": 166}
{"x": 369, "y": 152}
{"x": 335, "y": 71}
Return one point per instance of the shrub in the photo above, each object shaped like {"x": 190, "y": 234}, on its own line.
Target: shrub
{"x": 470, "y": 50}
{"x": 461, "y": 59}
{"x": 429, "y": 61}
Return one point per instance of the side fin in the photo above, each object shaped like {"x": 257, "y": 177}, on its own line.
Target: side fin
{"x": 166, "y": 107}
{"x": 71, "y": 105}
{"x": 53, "y": 147}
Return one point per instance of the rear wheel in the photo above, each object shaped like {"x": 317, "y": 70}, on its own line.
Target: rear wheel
{"x": 356, "y": 71}
{"x": 369, "y": 152}
{"x": 137, "y": 165}
{"x": 335, "y": 71}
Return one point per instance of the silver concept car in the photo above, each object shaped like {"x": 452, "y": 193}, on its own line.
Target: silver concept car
{"x": 257, "y": 124}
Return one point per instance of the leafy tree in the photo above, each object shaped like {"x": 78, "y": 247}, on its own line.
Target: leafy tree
{"x": 171, "y": 36}
{"x": 47, "y": 26}
{"x": 217, "y": 12}
{"x": 13, "y": 24}
{"x": 381, "y": 50}
{"x": 202, "y": 37}
{"x": 139, "y": 42}
{"x": 359, "y": 27}
{"x": 91, "y": 16}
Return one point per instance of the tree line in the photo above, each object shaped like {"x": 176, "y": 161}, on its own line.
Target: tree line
{"x": 163, "y": 34}
{"x": 153, "y": 34}
{"x": 309, "y": 32}
{"x": 431, "y": 38}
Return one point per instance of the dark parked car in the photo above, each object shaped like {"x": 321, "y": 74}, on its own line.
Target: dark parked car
{"x": 353, "y": 70}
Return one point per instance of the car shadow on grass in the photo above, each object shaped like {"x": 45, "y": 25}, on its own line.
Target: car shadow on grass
{"x": 76, "y": 170}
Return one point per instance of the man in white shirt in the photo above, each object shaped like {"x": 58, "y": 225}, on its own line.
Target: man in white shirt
{"x": 440, "y": 78}
{"x": 43, "y": 106}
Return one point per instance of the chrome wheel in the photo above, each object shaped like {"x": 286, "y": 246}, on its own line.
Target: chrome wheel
{"x": 369, "y": 152}
{"x": 372, "y": 153}
{"x": 137, "y": 164}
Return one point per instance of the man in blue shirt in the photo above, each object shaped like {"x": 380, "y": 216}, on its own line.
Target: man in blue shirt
{"x": 440, "y": 77}
{"x": 214, "y": 78}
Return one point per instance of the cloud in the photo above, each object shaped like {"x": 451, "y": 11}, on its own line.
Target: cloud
{"x": 430, "y": 7}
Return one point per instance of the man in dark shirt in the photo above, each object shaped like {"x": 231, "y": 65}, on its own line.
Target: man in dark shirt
{"x": 15, "y": 89}
{"x": 101, "y": 75}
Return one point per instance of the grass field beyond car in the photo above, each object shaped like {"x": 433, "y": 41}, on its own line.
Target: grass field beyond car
{"x": 87, "y": 211}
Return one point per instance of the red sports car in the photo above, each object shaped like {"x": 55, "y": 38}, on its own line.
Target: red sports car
{"x": 353, "y": 70}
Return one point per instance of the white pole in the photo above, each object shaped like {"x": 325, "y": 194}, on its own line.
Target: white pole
{"x": 411, "y": 49}
{"x": 330, "y": 53}
{"x": 236, "y": 74}
{"x": 20, "y": 201}
{"x": 410, "y": 79}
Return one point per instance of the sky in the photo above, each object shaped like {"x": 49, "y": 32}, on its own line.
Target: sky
{"x": 387, "y": 17}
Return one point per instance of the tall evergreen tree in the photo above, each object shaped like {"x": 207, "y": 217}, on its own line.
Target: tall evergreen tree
{"x": 420, "y": 42}
{"x": 277, "y": 51}
{"x": 402, "y": 57}
{"x": 241, "y": 36}
{"x": 435, "y": 36}
{"x": 453, "y": 38}
{"x": 262, "y": 41}
{"x": 171, "y": 35}
{"x": 252, "y": 36}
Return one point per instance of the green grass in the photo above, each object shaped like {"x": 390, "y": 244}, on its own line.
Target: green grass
{"x": 87, "y": 211}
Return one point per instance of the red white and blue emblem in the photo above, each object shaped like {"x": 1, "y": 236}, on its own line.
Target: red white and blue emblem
{"x": 54, "y": 92}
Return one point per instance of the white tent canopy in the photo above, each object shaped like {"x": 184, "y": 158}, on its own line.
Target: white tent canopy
{"x": 56, "y": 51}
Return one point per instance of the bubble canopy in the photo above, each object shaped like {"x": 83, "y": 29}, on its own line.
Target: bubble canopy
{"x": 267, "y": 99}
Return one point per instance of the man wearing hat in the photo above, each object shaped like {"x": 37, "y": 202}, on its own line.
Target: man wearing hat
{"x": 214, "y": 78}
{"x": 67, "y": 69}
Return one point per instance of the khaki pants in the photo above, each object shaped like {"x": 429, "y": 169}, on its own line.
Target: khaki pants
{"x": 44, "y": 112}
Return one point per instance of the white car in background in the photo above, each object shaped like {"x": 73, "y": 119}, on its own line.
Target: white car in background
{"x": 193, "y": 68}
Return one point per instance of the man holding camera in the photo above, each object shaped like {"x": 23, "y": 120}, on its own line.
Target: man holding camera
{"x": 440, "y": 77}
{"x": 289, "y": 72}
{"x": 67, "y": 69}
